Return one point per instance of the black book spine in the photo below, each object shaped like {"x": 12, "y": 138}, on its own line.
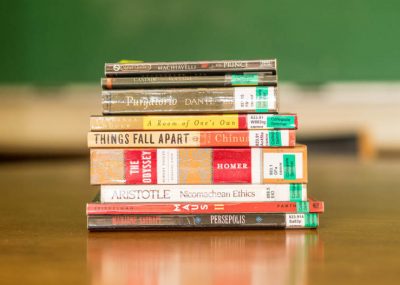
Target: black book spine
{"x": 190, "y": 67}
{"x": 222, "y": 221}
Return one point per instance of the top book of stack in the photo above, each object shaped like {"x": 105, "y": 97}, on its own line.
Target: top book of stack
{"x": 190, "y": 67}
{"x": 231, "y": 86}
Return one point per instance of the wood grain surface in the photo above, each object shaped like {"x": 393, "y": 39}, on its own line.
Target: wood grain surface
{"x": 43, "y": 236}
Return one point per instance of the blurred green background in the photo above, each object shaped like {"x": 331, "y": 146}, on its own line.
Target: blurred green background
{"x": 51, "y": 42}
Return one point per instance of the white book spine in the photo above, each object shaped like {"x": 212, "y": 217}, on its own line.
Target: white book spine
{"x": 203, "y": 193}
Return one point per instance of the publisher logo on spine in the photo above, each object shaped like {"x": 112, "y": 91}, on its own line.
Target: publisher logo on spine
{"x": 231, "y": 166}
{"x": 141, "y": 166}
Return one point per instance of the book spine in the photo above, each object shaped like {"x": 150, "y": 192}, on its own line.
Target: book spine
{"x": 199, "y": 166}
{"x": 259, "y": 79}
{"x": 194, "y": 122}
{"x": 260, "y": 99}
{"x": 204, "y": 193}
{"x": 257, "y": 220}
{"x": 215, "y": 138}
{"x": 126, "y": 69}
{"x": 202, "y": 208}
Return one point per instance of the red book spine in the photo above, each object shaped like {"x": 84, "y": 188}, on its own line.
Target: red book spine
{"x": 202, "y": 208}
{"x": 242, "y": 122}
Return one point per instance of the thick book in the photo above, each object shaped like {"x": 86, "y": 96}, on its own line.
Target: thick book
{"x": 251, "y": 79}
{"x": 194, "y": 122}
{"x": 260, "y": 99}
{"x": 190, "y": 67}
{"x": 310, "y": 206}
{"x": 214, "y": 138}
{"x": 235, "y": 193}
{"x": 199, "y": 165}
{"x": 202, "y": 221}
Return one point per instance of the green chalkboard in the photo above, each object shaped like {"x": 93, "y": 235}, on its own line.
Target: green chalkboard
{"x": 59, "y": 42}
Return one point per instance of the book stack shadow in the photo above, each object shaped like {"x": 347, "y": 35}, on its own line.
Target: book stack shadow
{"x": 196, "y": 145}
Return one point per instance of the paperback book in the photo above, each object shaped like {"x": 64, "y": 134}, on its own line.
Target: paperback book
{"x": 231, "y": 193}
{"x": 190, "y": 67}
{"x": 199, "y": 166}
{"x": 184, "y": 81}
{"x": 194, "y": 122}
{"x": 310, "y": 206}
{"x": 259, "y": 99}
{"x": 214, "y": 138}
{"x": 219, "y": 221}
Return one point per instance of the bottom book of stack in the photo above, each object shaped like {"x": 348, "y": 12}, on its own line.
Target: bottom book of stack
{"x": 131, "y": 207}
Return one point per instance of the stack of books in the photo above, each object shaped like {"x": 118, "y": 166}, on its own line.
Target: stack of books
{"x": 193, "y": 145}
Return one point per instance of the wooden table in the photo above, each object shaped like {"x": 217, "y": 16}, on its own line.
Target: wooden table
{"x": 43, "y": 237}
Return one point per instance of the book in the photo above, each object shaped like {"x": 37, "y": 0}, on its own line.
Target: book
{"x": 199, "y": 165}
{"x": 194, "y": 122}
{"x": 190, "y": 67}
{"x": 237, "y": 193}
{"x": 214, "y": 138}
{"x": 204, "y": 208}
{"x": 183, "y": 81}
{"x": 259, "y": 99}
{"x": 203, "y": 221}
